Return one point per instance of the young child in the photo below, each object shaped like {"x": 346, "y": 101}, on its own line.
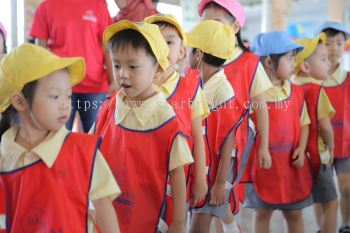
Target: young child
{"x": 48, "y": 174}
{"x": 3, "y": 37}
{"x": 312, "y": 67}
{"x": 287, "y": 184}
{"x": 337, "y": 87}
{"x": 205, "y": 55}
{"x": 186, "y": 97}
{"x": 249, "y": 80}
{"x": 142, "y": 138}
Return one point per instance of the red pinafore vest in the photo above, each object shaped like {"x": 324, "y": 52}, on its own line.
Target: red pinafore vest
{"x": 56, "y": 199}
{"x": 340, "y": 99}
{"x": 139, "y": 161}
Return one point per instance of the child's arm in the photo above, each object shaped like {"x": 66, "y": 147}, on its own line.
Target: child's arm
{"x": 326, "y": 131}
{"x": 299, "y": 152}
{"x": 218, "y": 192}
{"x": 106, "y": 218}
{"x": 199, "y": 188}
{"x": 262, "y": 117}
{"x": 178, "y": 193}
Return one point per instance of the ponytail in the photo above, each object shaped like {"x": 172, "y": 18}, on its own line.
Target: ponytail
{"x": 6, "y": 120}
{"x": 240, "y": 42}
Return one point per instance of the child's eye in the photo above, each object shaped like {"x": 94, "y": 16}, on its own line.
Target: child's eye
{"x": 55, "y": 97}
{"x": 133, "y": 67}
{"x": 170, "y": 42}
{"x": 116, "y": 66}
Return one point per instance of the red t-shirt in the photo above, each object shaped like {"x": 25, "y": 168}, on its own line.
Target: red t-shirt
{"x": 75, "y": 28}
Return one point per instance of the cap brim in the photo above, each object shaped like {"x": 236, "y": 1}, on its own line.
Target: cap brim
{"x": 117, "y": 27}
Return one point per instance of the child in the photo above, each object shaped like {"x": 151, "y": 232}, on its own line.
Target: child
{"x": 287, "y": 184}
{"x": 207, "y": 57}
{"x": 186, "y": 97}
{"x": 249, "y": 81}
{"x": 49, "y": 175}
{"x": 312, "y": 68}
{"x": 337, "y": 87}
{"x": 3, "y": 36}
{"x": 143, "y": 142}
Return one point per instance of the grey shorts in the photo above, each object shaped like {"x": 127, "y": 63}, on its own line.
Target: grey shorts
{"x": 324, "y": 190}
{"x": 217, "y": 211}
{"x": 253, "y": 201}
{"x": 342, "y": 165}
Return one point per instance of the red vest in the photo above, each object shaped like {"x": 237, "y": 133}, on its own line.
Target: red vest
{"x": 217, "y": 127}
{"x": 283, "y": 183}
{"x": 312, "y": 93}
{"x": 42, "y": 199}
{"x": 340, "y": 98}
{"x": 139, "y": 161}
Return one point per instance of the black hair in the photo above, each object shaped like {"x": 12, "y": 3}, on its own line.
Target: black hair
{"x": 275, "y": 58}
{"x": 210, "y": 59}
{"x": 162, "y": 24}
{"x": 131, "y": 37}
{"x": 9, "y": 114}
{"x": 330, "y": 32}
{"x": 232, "y": 19}
{"x": 4, "y": 51}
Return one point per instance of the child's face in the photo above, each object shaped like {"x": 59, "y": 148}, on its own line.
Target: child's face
{"x": 176, "y": 48}
{"x": 216, "y": 13}
{"x": 286, "y": 66}
{"x": 133, "y": 71}
{"x": 319, "y": 65}
{"x": 51, "y": 104}
{"x": 335, "y": 47}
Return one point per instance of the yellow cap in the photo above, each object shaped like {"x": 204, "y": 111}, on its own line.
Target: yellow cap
{"x": 212, "y": 37}
{"x": 168, "y": 18}
{"x": 27, "y": 63}
{"x": 149, "y": 31}
{"x": 310, "y": 45}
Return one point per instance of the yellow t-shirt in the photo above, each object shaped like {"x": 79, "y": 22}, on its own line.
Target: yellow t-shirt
{"x": 218, "y": 89}
{"x": 151, "y": 114}
{"x": 199, "y": 106}
{"x": 275, "y": 94}
{"x": 324, "y": 108}
{"x": 337, "y": 78}
{"x": 261, "y": 82}
{"x": 14, "y": 156}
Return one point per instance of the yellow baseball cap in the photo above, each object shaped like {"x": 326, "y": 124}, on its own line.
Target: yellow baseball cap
{"x": 168, "y": 18}
{"x": 149, "y": 31}
{"x": 27, "y": 63}
{"x": 212, "y": 37}
{"x": 310, "y": 45}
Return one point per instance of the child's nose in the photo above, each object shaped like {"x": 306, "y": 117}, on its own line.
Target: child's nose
{"x": 123, "y": 73}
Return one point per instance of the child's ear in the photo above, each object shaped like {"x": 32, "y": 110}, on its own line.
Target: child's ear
{"x": 198, "y": 55}
{"x": 268, "y": 63}
{"x": 182, "y": 53}
{"x": 235, "y": 26}
{"x": 305, "y": 67}
{"x": 18, "y": 101}
{"x": 159, "y": 70}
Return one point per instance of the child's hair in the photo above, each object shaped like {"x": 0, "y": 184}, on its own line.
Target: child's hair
{"x": 275, "y": 59}
{"x": 8, "y": 115}
{"x": 330, "y": 32}
{"x": 232, "y": 19}
{"x": 162, "y": 24}
{"x": 130, "y": 37}
{"x": 4, "y": 51}
{"x": 210, "y": 59}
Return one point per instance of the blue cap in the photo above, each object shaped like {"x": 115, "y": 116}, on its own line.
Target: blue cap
{"x": 333, "y": 25}
{"x": 276, "y": 42}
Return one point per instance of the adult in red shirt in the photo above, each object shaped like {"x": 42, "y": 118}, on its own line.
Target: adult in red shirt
{"x": 135, "y": 10}
{"x": 71, "y": 28}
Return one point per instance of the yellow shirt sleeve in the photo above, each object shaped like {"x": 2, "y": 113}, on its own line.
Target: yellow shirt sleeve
{"x": 103, "y": 183}
{"x": 180, "y": 153}
{"x": 199, "y": 107}
{"x": 304, "y": 118}
{"x": 261, "y": 82}
{"x": 324, "y": 106}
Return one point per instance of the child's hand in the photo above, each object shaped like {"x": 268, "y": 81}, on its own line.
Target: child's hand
{"x": 217, "y": 194}
{"x": 331, "y": 155}
{"x": 264, "y": 158}
{"x": 177, "y": 228}
{"x": 298, "y": 157}
{"x": 199, "y": 190}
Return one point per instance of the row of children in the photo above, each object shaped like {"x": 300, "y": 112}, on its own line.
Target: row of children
{"x": 158, "y": 123}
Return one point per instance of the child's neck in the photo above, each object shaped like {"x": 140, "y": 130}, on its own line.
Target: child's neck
{"x": 333, "y": 68}
{"x": 29, "y": 136}
{"x": 276, "y": 81}
{"x": 162, "y": 78}
{"x": 207, "y": 71}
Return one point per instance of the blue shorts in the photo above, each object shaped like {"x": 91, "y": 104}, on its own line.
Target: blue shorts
{"x": 342, "y": 165}
{"x": 324, "y": 190}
